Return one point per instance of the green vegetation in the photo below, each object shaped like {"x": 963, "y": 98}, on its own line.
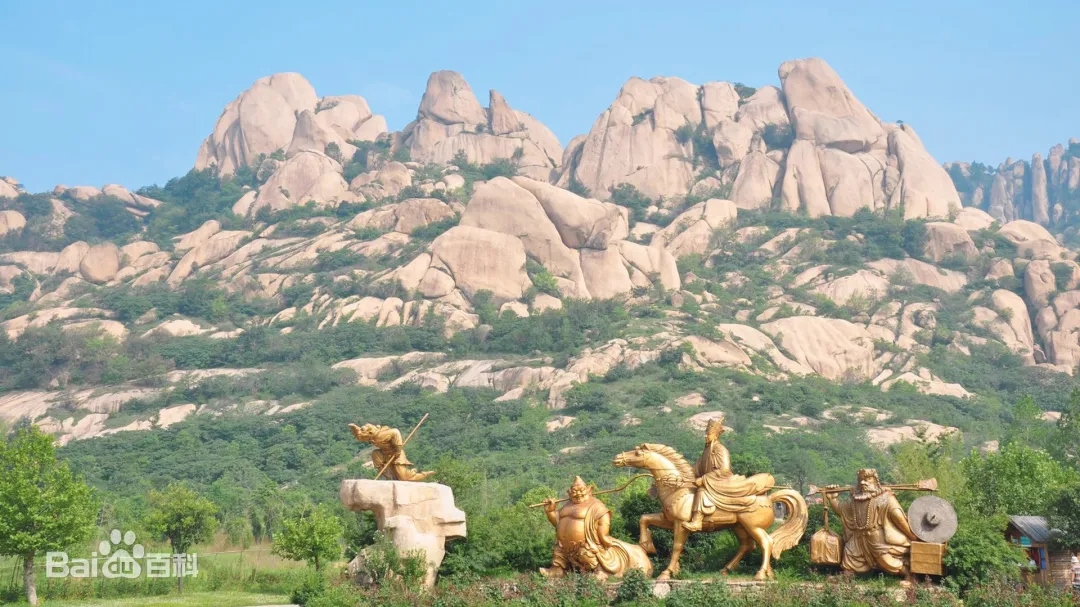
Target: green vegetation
{"x": 43, "y": 505}
{"x": 630, "y": 197}
{"x": 182, "y": 517}
{"x": 194, "y": 199}
{"x": 778, "y": 137}
{"x": 101, "y": 218}
{"x": 311, "y": 534}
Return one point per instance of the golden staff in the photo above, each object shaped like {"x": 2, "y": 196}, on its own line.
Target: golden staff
{"x": 615, "y": 490}
{"x": 929, "y": 484}
{"x": 394, "y": 456}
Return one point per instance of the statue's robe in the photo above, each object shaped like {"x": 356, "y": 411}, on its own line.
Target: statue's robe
{"x": 871, "y": 538}
{"x": 729, "y": 492}
{"x": 387, "y": 442}
{"x": 615, "y": 559}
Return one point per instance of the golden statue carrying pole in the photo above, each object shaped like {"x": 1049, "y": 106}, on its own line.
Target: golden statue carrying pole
{"x": 877, "y": 533}
{"x": 709, "y": 497}
{"x": 582, "y": 538}
{"x": 389, "y": 453}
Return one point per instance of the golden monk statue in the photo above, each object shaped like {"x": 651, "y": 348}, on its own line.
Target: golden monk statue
{"x": 877, "y": 533}
{"x": 582, "y": 540}
{"x": 716, "y": 484}
{"x": 388, "y": 444}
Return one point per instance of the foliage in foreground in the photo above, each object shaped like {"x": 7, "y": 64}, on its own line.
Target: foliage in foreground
{"x": 534, "y": 591}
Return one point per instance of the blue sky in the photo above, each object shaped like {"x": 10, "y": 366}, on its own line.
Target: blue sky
{"x": 124, "y": 92}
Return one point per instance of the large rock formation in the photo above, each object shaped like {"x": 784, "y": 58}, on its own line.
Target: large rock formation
{"x": 282, "y": 113}
{"x": 634, "y": 141}
{"x": 417, "y": 516}
{"x": 581, "y": 241}
{"x": 813, "y": 145}
{"x": 451, "y": 120}
{"x": 846, "y": 157}
{"x": 1038, "y": 191}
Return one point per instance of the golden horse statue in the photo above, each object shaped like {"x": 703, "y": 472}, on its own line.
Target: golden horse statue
{"x": 673, "y": 481}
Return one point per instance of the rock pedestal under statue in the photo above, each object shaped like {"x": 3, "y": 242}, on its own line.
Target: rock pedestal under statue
{"x": 416, "y": 516}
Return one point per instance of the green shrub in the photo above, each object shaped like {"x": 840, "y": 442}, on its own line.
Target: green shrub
{"x": 701, "y": 595}
{"x": 311, "y": 586}
{"x": 328, "y": 261}
{"x": 653, "y": 395}
{"x": 432, "y": 230}
{"x": 778, "y": 136}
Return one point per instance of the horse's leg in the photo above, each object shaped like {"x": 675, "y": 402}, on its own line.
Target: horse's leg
{"x": 746, "y": 544}
{"x": 676, "y": 551}
{"x": 645, "y": 540}
{"x": 764, "y": 540}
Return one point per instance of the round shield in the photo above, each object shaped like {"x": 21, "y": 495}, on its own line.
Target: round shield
{"x": 932, "y": 519}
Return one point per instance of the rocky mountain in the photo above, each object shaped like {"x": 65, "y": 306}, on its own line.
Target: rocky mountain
{"x": 707, "y": 227}
{"x": 1045, "y": 191}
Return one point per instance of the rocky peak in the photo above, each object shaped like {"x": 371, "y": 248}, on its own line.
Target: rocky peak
{"x": 823, "y": 110}
{"x": 282, "y": 112}
{"x": 1038, "y": 190}
{"x": 449, "y": 99}
{"x": 451, "y": 120}
{"x": 811, "y": 145}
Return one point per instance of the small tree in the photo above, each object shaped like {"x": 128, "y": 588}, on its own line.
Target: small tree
{"x": 179, "y": 515}
{"x": 309, "y": 534}
{"x": 43, "y": 506}
{"x": 1065, "y": 518}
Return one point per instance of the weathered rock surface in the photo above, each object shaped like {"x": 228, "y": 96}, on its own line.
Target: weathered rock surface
{"x": 450, "y": 120}
{"x": 265, "y": 118}
{"x": 307, "y": 176}
{"x": 11, "y": 221}
{"x": 945, "y": 240}
{"x": 417, "y": 516}
{"x": 835, "y": 349}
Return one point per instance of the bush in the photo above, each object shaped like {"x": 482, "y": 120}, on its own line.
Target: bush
{"x": 653, "y": 395}
{"x": 635, "y": 587}
{"x": 312, "y": 585}
{"x": 979, "y": 554}
{"x": 586, "y": 397}
{"x": 625, "y": 194}
{"x": 701, "y": 595}
{"x": 777, "y": 136}
{"x": 434, "y": 229}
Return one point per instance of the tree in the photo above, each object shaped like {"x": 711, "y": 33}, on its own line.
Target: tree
{"x": 1065, "y": 518}
{"x": 979, "y": 553}
{"x": 43, "y": 505}
{"x": 309, "y": 534}
{"x": 1016, "y": 480}
{"x": 1066, "y": 441}
{"x": 180, "y": 515}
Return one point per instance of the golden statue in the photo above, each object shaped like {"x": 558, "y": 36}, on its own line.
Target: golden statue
{"x": 711, "y": 498}
{"x": 716, "y": 483}
{"x": 389, "y": 453}
{"x": 877, "y": 534}
{"x": 582, "y": 539}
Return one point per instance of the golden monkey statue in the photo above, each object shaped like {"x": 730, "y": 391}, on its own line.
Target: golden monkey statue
{"x": 387, "y": 442}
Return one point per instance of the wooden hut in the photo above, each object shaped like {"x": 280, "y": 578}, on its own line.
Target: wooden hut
{"x": 1033, "y": 534}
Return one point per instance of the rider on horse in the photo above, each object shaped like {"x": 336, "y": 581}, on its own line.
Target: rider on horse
{"x": 716, "y": 483}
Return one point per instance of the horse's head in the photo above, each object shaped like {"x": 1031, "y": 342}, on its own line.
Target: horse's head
{"x": 636, "y": 458}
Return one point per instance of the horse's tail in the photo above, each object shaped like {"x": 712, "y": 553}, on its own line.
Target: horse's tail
{"x": 790, "y": 533}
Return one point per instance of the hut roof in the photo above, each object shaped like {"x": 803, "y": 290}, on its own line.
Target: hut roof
{"x": 1034, "y": 527}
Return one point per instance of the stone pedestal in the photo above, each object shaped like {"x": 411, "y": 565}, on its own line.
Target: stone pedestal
{"x": 416, "y": 516}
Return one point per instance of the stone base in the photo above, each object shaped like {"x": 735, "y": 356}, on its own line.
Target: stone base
{"x": 416, "y": 516}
